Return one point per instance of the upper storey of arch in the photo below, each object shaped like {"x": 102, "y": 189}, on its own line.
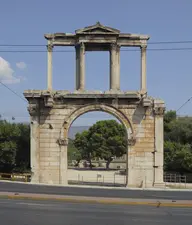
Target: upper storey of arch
{"x": 95, "y": 35}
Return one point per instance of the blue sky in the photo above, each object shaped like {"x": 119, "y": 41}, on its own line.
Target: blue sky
{"x": 169, "y": 73}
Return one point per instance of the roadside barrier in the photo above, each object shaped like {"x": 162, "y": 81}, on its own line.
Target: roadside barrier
{"x": 24, "y": 177}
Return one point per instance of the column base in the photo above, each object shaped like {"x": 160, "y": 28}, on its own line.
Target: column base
{"x": 143, "y": 92}
{"x": 63, "y": 178}
{"x": 113, "y": 91}
{"x": 64, "y": 183}
{"x": 35, "y": 178}
{"x": 159, "y": 185}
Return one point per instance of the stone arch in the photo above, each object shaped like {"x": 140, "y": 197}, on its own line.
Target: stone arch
{"x": 99, "y": 107}
{"x": 108, "y": 109}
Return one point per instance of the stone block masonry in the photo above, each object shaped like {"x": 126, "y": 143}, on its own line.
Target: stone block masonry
{"x": 53, "y": 112}
{"x": 145, "y": 144}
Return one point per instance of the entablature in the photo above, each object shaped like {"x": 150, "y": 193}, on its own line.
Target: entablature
{"x": 97, "y": 34}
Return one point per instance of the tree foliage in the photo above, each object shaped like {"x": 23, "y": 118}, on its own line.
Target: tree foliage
{"x": 105, "y": 139}
{"x": 178, "y": 158}
{"x": 73, "y": 153}
{"x": 23, "y": 149}
{"x": 14, "y": 146}
{"x": 178, "y": 143}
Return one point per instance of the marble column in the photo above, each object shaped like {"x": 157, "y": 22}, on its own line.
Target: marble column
{"x": 143, "y": 69}
{"x": 117, "y": 80}
{"x": 63, "y": 166}
{"x": 82, "y": 66}
{"x": 114, "y": 67}
{"x": 34, "y": 142}
{"x": 130, "y": 168}
{"x": 77, "y": 67}
{"x": 159, "y": 143}
{"x": 49, "y": 67}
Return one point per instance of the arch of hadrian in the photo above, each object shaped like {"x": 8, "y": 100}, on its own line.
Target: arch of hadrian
{"x": 52, "y": 112}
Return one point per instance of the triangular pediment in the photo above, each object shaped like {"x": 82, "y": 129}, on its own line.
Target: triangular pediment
{"x": 97, "y": 29}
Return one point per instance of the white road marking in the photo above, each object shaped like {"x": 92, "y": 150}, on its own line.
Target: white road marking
{"x": 8, "y": 201}
{"x": 32, "y": 204}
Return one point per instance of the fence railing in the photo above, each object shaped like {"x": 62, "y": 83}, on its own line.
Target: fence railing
{"x": 175, "y": 180}
{"x": 15, "y": 177}
{"x": 100, "y": 179}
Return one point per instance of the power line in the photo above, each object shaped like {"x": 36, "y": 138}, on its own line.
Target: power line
{"x": 184, "y": 104}
{"x": 170, "y": 42}
{"x": 131, "y": 50}
{"x": 44, "y": 45}
{"x": 13, "y": 92}
{"x": 5, "y": 116}
{"x": 21, "y": 45}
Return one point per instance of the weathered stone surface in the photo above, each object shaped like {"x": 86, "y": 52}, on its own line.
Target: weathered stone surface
{"x": 142, "y": 154}
{"x": 141, "y": 139}
{"x": 44, "y": 154}
{"x": 53, "y": 112}
{"x": 52, "y": 130}
{"x": 54, "y": 154}
{"x": 44, "y": 144}
{"x": 140, "y": 135}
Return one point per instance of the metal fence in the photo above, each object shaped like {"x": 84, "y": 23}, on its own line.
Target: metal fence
{"x": 175, "y": 180}
{"x": 15, "y": 177}
{"x": 98, "y": 178}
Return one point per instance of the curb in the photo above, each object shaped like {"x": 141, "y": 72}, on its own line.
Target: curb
{"x": 99, "y": 187}
{"x": 114, "y": 201}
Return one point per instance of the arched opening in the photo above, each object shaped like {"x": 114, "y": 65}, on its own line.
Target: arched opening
{"x": 98, "y": 170}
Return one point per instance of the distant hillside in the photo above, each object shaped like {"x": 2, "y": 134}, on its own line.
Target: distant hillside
{"x": 73, "y": 130}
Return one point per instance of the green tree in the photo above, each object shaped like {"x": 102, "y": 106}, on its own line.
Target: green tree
{"x": 105, "y": 139}
{"x": 73, "y": 153}
{"x": 23, "y": 149}
{"x": 83, "y": 144}
{"x": 170, "y": 116}
{"x": 178, "y": 142}
{"x": 178, "y": 157}
{"x": 180, "y": 131}
{"x": 9, "y": 133}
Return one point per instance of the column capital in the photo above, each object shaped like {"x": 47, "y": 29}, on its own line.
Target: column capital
{"x": 131, "y": 141}
{"x": 113, "y": 46}
{"x": 33, "y": 108}
{"x": 49, "y": 47}
{"x": 62, "y": 142}
{"x": 118, "y": 47}
{"x": 49, "y": 101}
{"x": 143, "y": 47}
{"x": 82, "y": 45}
{"x": 159, "y": 111}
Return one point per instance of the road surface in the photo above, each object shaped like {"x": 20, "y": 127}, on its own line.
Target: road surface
{"x": 94, "y": 192}
{"x": 22, "y": 212}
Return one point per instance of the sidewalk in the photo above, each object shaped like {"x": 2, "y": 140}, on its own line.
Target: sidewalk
{"x": 101, "y": 200}
{"x": 101, "y": 187}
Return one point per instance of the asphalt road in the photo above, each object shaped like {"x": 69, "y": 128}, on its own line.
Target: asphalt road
{"x": 26, "y": 212}
{"x": 94, "y": 192}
